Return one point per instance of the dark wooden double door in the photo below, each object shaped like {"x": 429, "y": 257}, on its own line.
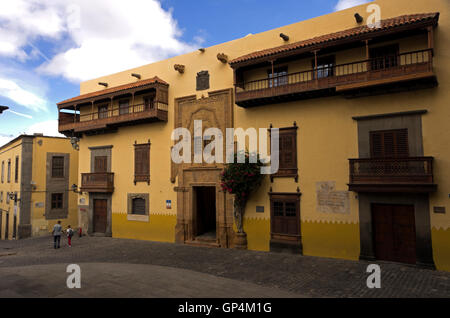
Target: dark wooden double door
{"x": 394, "y": 233}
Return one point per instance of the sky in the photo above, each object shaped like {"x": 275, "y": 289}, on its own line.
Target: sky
{"x": 48, "y": 47}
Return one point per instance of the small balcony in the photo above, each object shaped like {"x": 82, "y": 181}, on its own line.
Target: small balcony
{"x": 387, "y": 73}
{"x": 413, "y": 174}
{"x": 101, "y": 182}
{"x": 112, "y": 118}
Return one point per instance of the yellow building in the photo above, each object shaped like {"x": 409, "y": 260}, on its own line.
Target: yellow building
{"x": 361, "y": 104}
{"x": 37, "y": 173}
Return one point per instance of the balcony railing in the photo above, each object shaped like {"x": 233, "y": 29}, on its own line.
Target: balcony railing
{"x": 111, "y": 117}
{"x": 97, "y": 182}
{"x": 375, "y": 71}
{"x": 413, "y": 174}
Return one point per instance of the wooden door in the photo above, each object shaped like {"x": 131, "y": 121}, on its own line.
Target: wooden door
{"x": 101, "y": 164}
{"x": 394, "y": 233}
{"x": 285, "y": 216}
{"x": 100, "y": 215}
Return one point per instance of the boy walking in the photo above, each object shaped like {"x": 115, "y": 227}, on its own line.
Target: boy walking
{"x": 57, "y": 230}
{"x": 69, "y": 235}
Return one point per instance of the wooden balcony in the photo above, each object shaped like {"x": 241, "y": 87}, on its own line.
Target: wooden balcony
{"x": 414, "y": 174}
{"x": 102, "y": 182}
{"x": 92, "y": 123}
{"x": 362, "y": 77}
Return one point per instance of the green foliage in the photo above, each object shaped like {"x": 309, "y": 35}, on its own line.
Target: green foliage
{"x": 241, "y": 179}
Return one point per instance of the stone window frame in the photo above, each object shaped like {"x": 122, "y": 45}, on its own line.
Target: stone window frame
{"x": 138, "y": 217}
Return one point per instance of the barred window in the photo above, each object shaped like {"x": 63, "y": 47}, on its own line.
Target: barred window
{"x": 57, "y": 201}
{"x": 58, "y": 167}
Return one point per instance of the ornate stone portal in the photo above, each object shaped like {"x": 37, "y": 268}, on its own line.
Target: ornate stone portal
{"x": 215, "y": 111}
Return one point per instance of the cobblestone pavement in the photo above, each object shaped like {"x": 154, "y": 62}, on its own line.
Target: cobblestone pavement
{"x": 300, "y": 275}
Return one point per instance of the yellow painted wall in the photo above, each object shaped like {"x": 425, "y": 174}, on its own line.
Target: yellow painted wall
{"x": 327, "y": 135}
{"x": 10, "y": 152}
{"x": 159, "y": 228}
{"x": 41, "y": 146}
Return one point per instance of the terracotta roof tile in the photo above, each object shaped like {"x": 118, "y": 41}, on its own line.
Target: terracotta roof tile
{"x": 385, "y": 25}
{"x": 115, "y": 89}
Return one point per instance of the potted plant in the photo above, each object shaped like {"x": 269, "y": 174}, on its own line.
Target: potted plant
{"x": 241, "y": 180}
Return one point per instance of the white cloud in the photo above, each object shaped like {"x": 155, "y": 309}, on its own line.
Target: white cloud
{"x": 5, "y": 139}
{"x": 48, "y": 128}
{"x": 10, "y": 89}
{"x": 104, "y": 36}
{"x": 345, "y": 4}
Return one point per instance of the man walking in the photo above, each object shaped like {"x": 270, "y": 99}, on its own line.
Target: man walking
{"x": 57, "y": 231}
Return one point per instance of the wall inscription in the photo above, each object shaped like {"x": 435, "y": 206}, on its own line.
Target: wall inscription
{"x": 331, "y": 201}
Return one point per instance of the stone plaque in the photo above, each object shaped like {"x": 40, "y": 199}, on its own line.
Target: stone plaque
{"x": 202, "y": 80}
{"x": 331, "y": 201}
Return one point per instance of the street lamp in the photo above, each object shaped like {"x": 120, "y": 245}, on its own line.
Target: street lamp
{"x": 3, "y": 108}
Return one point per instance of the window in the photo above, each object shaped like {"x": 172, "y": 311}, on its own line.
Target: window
{"x": 57, "y": 167}
{"x": 3, "y": 171}
{"x": 102, "y": 111}
{"x": 285, "y": 215}
{"x": 101, "y": 164}
{"x": 1, "y": 196}
{"x": 9, "y": 171}
{"x": 142, "y": 163}
{"x": 148, "y": 102}
{"x": 279, "y": 76}
{"x": 389, "y": 143}
{"x": 138, "y": 206}
{"x": 57, "y": 201}
{"x": 7, "y": 198}
{"x": 325, "y": 66}
{"x": 124, "y": 106}
{"x": 384, "y": 57}
{"x": 16, "y": 171}
{"x": 288, "y": 152}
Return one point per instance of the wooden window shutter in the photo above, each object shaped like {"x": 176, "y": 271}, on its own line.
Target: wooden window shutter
{"x": 142, "y": 163}
{"x": 101, "y": 164}
{"x": 138, "y": 206}
{"x": 287, "y": 153}
{"x": 389, "y": 143}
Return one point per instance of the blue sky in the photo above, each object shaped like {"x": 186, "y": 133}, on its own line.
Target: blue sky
{"x": 47, "y": 49}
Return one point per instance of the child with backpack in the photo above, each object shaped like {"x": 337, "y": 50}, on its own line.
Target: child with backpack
{"x": 69, "y": 235}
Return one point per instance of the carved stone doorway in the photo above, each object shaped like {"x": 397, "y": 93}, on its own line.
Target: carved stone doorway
{"x": 200, "y": 200}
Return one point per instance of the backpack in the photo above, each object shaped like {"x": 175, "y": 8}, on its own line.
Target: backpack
{"x": 70, "y": 232}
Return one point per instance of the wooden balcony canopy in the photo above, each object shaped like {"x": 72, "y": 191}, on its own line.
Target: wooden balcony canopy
{"x": 93, "y": 121}
{"x": 131, "y": 88}
{"x": 387, "y": 27}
